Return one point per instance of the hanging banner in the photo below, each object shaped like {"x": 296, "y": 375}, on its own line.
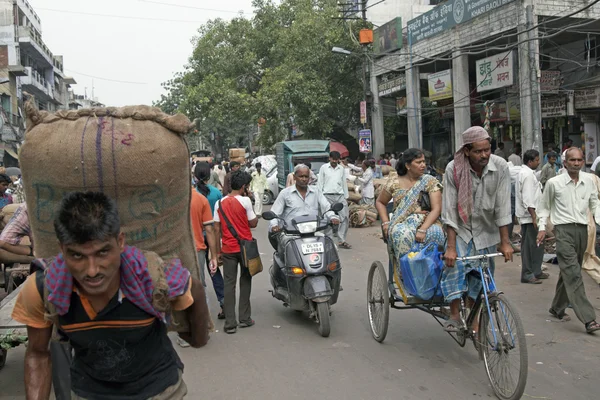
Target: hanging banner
{"x": 363, "y": 112}
{"x": 440, "y": 85}
{"x": 514, "y": 108}
{"x": 495, "y": 72}
{"x": 401, "y": 106}
{"x": 388, "y": 37}
{"x": 364, "y": 141}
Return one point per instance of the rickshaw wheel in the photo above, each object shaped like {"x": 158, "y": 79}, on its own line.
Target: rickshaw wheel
{"x": 378, "y": 301}
{"x": 503, "y": 348}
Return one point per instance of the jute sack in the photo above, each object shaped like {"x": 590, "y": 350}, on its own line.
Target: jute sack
{"x": 136, "y": 155}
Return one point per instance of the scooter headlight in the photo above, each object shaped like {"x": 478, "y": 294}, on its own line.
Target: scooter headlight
{"x": 307, "y": 227}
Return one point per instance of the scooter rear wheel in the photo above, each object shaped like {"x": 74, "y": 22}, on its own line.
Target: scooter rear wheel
{"x": 324, "y": 323}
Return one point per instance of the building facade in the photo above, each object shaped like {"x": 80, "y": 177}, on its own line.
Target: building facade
{"x": 26, "y": 66}
{"x": 526, "y": 70}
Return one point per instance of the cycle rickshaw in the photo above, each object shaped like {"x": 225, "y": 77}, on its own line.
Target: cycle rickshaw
{"x": 500, "y": 342}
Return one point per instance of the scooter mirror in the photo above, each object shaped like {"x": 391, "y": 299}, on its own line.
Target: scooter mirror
{"x": 337, "y": 207}
{"x": 269, "y": 215}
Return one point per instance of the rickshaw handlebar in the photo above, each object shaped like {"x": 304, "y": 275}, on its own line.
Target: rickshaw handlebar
{"x": 479, "y": 257}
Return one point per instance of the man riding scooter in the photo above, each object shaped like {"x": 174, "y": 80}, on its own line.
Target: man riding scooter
{"x": 294, "y": 201}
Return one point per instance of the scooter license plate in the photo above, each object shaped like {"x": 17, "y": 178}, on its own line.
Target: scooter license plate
{"x": 310, "y": 248}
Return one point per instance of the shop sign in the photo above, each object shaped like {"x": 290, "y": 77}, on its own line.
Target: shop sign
{"x": 388, "y": 37}
{"x": 591, "y": 147}
{"x": 587, "y": 98}
{"x": 440, "y": 85}
{"x": 401, "y": 106}
{"x": 364, "y": 141}
{"x": 391, "y": 84}
{"x": 448, "y": 15}
{"x": 495, "y": 72}
{"x": 550, "y": 82}
{"x": 554, "y": 107}
{"x": 514, "y": 108}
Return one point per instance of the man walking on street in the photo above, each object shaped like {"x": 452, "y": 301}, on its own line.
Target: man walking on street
{"x": 566, "y": 200}
{"x": 235, "y": 166}
{"x": 529, "y": 193}
{"x": 258, "y": 187}
{"x": 549, "y": 170}
{"x": 476, "y": 213}
{"x": 332, "y": 183}
{"x": 235, "y": 212}
{"x": 515, "y": 157}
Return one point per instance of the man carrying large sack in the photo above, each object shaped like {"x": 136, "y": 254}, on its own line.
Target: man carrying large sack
{"x": 112, "y": 302}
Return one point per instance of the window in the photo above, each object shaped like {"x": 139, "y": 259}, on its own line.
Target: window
{"x": 5, "y": 102}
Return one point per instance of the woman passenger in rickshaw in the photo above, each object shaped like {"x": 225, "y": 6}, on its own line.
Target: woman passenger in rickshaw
{"x": 411, "y": 228}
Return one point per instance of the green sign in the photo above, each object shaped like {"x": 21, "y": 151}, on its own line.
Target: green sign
{"x": 448, "y": 15}
{"x": 388, "y": 37}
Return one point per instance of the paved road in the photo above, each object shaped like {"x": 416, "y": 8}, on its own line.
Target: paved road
{"x": 284, "y": 357}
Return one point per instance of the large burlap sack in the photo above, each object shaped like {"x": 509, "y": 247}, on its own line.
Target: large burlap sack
{"x": 137, "y": 155}
{"x": 237, "y": 153}
{"x": 386, "y": 169}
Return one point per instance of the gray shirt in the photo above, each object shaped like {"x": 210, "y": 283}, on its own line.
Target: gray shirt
{"x": 491, "y": 204}
{"x": 290, "y": 204}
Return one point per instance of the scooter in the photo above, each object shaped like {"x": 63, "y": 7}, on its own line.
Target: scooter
{"x": 307, "y": 276}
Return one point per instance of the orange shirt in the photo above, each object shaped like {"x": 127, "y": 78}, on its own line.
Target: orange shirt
{"x": 201, "y": 215}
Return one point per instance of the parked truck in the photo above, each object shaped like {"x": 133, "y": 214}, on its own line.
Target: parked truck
{"x": 315, "y": 152}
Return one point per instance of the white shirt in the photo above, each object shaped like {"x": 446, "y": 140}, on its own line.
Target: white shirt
{"x": 393, "y": 162}
{"x": 595, "y": 164}
{"x": 244, "y": 201}
{"x": 500, "y": 153}
{"x": 366, "y": 183}
{"x": 568, "y": 203}
{"x": 290, "y": 204}
{"x": 515, "y": 159}
{"x": 349, "y": 168}
{"x": 333, "y": 180}
{"x": 528, "y": 192}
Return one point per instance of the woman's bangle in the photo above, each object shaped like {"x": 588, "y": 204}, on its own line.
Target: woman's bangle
{"x": 422, "y": 230}
{"x": 385, "y": 223}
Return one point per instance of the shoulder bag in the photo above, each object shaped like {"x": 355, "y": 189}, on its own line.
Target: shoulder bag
{"x": 248, "y": 248}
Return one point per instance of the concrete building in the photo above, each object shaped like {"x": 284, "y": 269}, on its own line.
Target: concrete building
{"x": 527, "y": 69}
{"x": 26, "y": 65}
{"x": 77, "y": 101}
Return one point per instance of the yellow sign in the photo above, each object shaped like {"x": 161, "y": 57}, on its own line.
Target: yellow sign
{"x": 440, "y": 85}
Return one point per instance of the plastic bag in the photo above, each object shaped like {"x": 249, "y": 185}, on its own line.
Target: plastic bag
{"x": 421, "y": 272}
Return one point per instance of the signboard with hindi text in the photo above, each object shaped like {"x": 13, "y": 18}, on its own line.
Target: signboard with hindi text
{"x": 391, "y": 84}
{"x": 448, "y": 15}
{"x": 495, "y": 72}
{"x": 554, "y": 106}
{"x": 388, "y": 37}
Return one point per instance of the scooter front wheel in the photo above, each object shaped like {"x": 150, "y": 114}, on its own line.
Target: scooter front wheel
{"x": 323, "y": 315}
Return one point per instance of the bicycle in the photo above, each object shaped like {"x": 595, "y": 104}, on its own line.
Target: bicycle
{"x": 500, "y": 335}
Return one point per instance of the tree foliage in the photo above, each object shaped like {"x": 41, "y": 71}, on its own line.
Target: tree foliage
{"x": 279, "y": 66}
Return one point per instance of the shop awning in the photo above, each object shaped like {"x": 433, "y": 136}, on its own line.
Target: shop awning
{"x": 339, "y": 147}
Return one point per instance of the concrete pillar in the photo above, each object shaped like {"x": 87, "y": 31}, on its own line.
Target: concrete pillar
{"x": 413, "y": 101}
{"x": 376, "y": 118}
{"x": 531, "y": 114}
{"x": 462, "y": 98}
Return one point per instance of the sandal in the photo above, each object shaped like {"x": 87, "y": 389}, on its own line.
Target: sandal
{"x": 592, "y": 327}
{"x": 345, "y": 245}
{"x": 563, "y": 317}
{"x": 453, "y": 326}
{"x": 246, "y": 324}
{"x": 230, "y": 331}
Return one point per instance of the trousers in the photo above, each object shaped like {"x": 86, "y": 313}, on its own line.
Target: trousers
{"x": 571, "y": 241}
{"x": 340, "y": 232}
{"x": 230, "y": 271}
{"x": 532, "y": 255}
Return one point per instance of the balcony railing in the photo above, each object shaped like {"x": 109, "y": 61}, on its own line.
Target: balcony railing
{"x": 25, "y": 31}
{"x": 35, "y": 79}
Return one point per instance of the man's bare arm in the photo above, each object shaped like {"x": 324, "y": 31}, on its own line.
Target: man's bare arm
{"x": 16, "y": 249}
{"x": 38, "y": 365}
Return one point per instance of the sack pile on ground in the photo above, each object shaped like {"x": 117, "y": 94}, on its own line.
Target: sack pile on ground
{"x": 136, "y": 155}
{"x": 362, "y": 215}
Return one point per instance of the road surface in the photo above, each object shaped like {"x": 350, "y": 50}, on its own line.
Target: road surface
{"x": 283, "y": 356}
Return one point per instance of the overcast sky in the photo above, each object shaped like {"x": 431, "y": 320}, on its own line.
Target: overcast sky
{"x": 147, "y": 52}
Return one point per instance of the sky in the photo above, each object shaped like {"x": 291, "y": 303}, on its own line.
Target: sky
{"x": 99, "y": 51}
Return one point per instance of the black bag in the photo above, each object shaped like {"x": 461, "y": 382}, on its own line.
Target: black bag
{"x": 424, "y": 201}
{"x": 249, "y": 248}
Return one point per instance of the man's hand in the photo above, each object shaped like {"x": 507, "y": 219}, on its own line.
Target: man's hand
{"x": 335, "y": 221}
{"x": 540, "y": 237}
{"x": 275, "y": 229}
{"x": 450, "y": 257}
{"x": 213, "y": 265}
{"x": 507, "y": 250}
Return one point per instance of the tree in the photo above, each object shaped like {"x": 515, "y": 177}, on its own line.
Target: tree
{"x": 277, "y": 66}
